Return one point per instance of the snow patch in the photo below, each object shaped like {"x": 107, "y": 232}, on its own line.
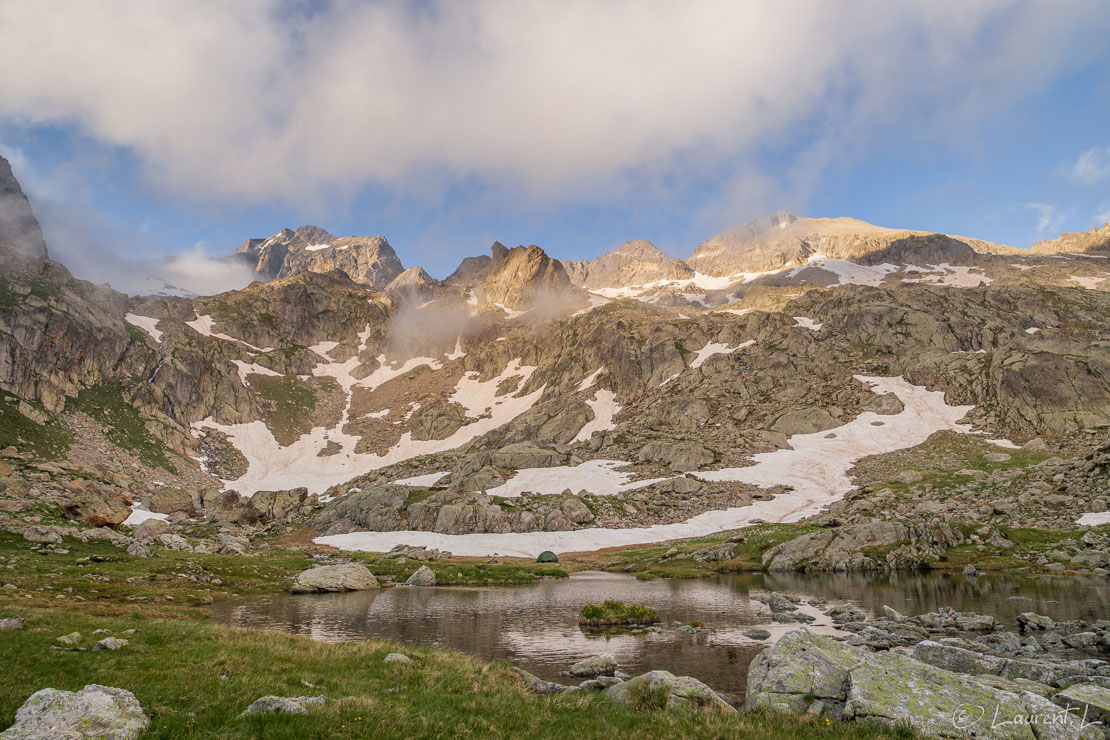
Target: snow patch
{"x": 1033, "y": 330}
{"x": 1094, "y": 519}
{"x": 248, "y": 368}
{"x": 589, "y": 381}
{"x": 807, "y": 323}
{"x": 599, "y": 477}
{"x": 956, "y": 276}
{"x": 1088, "y": 282}
{"x": 605, "y": 408}
{"x": 458, "y": 354}
{"x": 146, "y": 323}
{"x": 595, "y": 300}
{"x": 203, "y": 326}
{"x": 138, "y": 515}
{"x": 716, "y": 348}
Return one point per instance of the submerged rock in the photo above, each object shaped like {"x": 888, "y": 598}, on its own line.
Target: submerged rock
{"x": 94, "y": 711}
{"x": 325, "y": 578}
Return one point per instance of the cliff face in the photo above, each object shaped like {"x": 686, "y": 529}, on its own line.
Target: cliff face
{"x": 518, "y": 277}
{"x": 369, "y": 260}
{"x": 20, "y": 233}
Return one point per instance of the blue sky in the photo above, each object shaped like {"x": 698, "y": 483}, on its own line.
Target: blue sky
{"x": 575, "y": 126}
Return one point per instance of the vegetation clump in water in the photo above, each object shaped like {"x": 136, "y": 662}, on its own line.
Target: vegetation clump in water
{"x": 614, "y": 613}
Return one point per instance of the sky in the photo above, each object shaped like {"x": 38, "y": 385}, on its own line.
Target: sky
{"x": 173, "y": 131}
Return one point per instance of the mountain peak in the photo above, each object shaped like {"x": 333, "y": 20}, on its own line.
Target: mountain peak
{"x": 20, "y": 232}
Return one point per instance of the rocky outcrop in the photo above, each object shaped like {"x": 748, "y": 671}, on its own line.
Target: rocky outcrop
{"x": 1095, "y": 241}
{"x": 284, "y": 705}
{"x": 330, "y": 578}
{"x": 523, "y": 277}
{"x": 841, "y": 549}
{"x": 367, "y": 260}
{"x": 94, "y": 711}
{"x": 805, "y": 673}
{"x": 634, "y": 263}
{"x": 671, "y": 691}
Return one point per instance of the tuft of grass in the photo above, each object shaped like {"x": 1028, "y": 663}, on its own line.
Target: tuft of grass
{"x": 612, "y": 613}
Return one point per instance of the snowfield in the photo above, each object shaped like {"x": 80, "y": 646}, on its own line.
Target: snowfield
{"x": 146, "y": 323}
{"x": 271, "y": 467}
{"x": 816, "y": 468}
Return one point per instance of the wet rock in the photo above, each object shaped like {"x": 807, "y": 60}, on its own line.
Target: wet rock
{"x": 599, "y": 665}
{"x": 94, "y": 711}
{"x": 680, "y": 692}
{"x": 325, "y": 578}
{"x": 1033, "y": 621}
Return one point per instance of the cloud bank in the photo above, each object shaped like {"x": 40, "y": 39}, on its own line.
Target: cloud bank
{"x": 255, "y": 99}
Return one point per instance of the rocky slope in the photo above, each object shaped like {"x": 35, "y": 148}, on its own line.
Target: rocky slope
{"x": 517, "y": 401}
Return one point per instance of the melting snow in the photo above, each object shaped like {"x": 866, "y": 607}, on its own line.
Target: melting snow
{"x": 458, "y": 354}
{"x": 203, "y": 325}
{"x": 807, "y": 323}
{"x": 1094, "y": 519}
{"x": 958, "y": 276}
{"x": 141, "y": 515}
{"x": 605, "y": 408}
{"x": 716, "y": 348}
{"x": 146, "y": 323}
{"x": 817, "y": 469}
{"x": 589, "y": 381}
{"x": 1004, "y": 443}
{"x": 1033, "y": 330}
{"x": 848, "y": 273}
{"x": 1088, "y": 282}
{"x": 595, "y": 301}
{"x": 272, "y": 467}
{"x": 599, "y": 477}
{"x": 247, "y": 368}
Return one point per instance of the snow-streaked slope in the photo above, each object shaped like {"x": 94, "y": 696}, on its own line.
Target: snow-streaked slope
{"x": 816, "y": 468}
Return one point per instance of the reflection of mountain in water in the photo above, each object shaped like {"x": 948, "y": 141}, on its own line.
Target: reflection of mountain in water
{"x": 535, "y": 626}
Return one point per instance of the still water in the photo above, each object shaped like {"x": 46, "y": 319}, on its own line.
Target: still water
{"x": 535, "y": 626}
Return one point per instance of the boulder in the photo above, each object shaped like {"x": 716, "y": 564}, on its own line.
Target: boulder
{"x": 109, "y": 643}
{"x": 96, "y": 509}
{"x": 673, "y": 692}
{"x": 94, "y": 711}
{"x": 757, "y": 633}
{"x": 11, "y": 623}
{"x": 37, "y": 533}
{"x": 150, "y": 529}
{"x": 326, "y": 578}
{"x": 424, "y": 576}
{"x": 171, "y": 500}
{"x": 599, "y": 665}
{"x": 73, "y": 638}
{"x": 1088, "y": 702}
{"x": 284, "y": 705}
{"x": 682, "y": 457}
{"x": 526, "y": 455}
{"x": 397, "y": 658}
{"x": 807, "y": 673}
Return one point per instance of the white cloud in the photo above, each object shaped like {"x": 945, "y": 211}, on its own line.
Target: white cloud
{"x": 1090, "y": 167}
{"x": 1050, "y": 218}
{"x": 1102, "y": 216}
{"x": 246, "y": 101}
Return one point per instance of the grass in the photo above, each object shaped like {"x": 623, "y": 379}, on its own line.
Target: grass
{"x": 194, "y": 678}
{"x": 126, "y": 428}
{"x": 44, "y": 441}
{"x": 612, "y": 613}
{"x": 290, "y": 402}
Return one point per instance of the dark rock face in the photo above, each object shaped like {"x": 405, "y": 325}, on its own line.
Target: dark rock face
{"x": 20, "y": 233}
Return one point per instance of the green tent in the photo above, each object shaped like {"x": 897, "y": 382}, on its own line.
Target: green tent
{"x": 547, "y": 557}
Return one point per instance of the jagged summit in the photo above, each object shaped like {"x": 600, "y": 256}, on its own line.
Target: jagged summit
{"x": 369, "y": 260}
{"x": 636, "y": 262}
{"x": 517, "y": 277}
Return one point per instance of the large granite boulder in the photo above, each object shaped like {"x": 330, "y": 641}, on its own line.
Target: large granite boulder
{"x": 325, "y": 578}
{"x": 96, "y": 509}
{"x": 808, "y": 673}
{"x": 94, "y": 711}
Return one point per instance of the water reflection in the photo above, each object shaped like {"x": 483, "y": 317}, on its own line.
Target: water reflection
{"x": 535, "y": 626}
